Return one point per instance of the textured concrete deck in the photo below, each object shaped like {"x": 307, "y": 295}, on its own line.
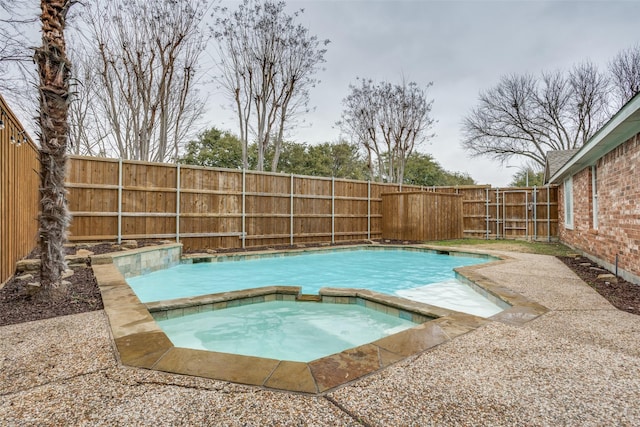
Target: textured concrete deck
{"x": 578, "y": 364}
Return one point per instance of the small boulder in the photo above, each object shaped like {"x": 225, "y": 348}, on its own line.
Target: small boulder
{"x": 211, "y": 251}
{"x": 84, "y": 252}
{"x": 33, "y": 288}
{"x": 25, "y": 277}
{"x": 585, "y": 264}
{"x": 77, "y": 260}
{"x": 67, "y": 273}
{"x": 129, "y": 244}
{"x": 608, "y": 277}
{"x": 25, "y": 265}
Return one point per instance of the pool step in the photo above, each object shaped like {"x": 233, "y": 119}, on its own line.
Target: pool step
{"x": 313, "y": 298}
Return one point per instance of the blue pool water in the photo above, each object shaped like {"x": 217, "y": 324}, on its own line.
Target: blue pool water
{"x": 383, "y": 270}
{"x": 283, "y": 330}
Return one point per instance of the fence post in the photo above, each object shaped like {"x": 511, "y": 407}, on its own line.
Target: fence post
{"x": 369, "y": 210}
{"x": 244, "y": 188}
{"x": 120, "y": 200}
{"x": 504, "y": 214}
{"x": 486, "y": 235}
{"x": 291, "y": 214}
{"x": 497, "y": 214}
{"x": 535, "y": 213}
{"x": 333, "y": 209}
{"x": 548, "y": 216}
{"x": 526, "y": 214}
{"x": 178, "y": 202}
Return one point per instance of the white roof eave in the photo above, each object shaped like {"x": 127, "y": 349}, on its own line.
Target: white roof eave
{"x": 622, "y": 126}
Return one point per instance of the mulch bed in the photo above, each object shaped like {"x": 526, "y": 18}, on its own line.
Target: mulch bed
{"x": 17, "y": 306}
{"x": 621, "y": 294}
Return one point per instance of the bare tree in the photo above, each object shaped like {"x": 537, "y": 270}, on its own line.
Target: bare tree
{"x": 145, "y": 59}
{"x": 525, "y": 116}
{"x": 87, "y": 131}
{"x": 360, "y": 122}
{"x": 55, "y": 70}
{"x": 18, "y": 20}
{"x": 267, "y": 64}
{"x": 14, "y": 48}
{"x": 388, "y": 121}
{"x": 625, "y": 74}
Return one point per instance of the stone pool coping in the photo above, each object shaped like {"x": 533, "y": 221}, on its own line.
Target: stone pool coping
{"x": 141, "y": 343}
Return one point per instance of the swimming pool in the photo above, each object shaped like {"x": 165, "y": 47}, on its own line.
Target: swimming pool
{"x": 394, "y": 271}
{"x": 141, "y": 342}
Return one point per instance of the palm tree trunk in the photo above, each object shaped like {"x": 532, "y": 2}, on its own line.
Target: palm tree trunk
{"x": 54, "y": 69}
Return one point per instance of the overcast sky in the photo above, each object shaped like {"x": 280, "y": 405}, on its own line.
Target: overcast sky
{"x": 463, "y": 47}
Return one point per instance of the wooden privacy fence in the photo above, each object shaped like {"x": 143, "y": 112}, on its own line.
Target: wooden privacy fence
{"x": 220, "y": 208}
{"x": 422, "y": 216}
{"x": 19, "y": 195}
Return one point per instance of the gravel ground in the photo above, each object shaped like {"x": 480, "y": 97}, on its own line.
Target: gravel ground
{"x": 579, "y": 364}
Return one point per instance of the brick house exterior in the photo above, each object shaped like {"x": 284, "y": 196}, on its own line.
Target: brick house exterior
{"x": 599, "y": 195}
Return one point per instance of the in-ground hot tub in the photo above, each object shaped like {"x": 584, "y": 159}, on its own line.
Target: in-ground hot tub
{"x": 325, "y": 369}
{"x": 279, "y": 326}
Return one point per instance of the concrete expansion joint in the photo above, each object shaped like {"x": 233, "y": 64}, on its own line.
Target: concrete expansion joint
{"x": 338, "y": 405}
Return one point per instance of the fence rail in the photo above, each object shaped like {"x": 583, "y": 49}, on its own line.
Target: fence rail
{"x": 220, "y": 208}
{"x": 19, "y": 192}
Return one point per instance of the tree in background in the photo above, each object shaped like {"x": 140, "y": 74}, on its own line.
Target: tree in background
{"x": 625, "y": 74}
{"x": 214, "y": 148}
{"x": 143, "y": 61}
{"x": 294, "y": 158}
{"x": 18, "y": 23}
{"x": 14, "y": 52}
{"x": 340, "y": 159}
{"x": 388, "y": 121}
{"x": 268, "y": 65}
{"x": 55, "y": 71}
{"x": 526, "y": 116}
{"x": 88, "y": 132}
{"x": 360, "y": 122}
{"x": 423, "y": 169}
{"x": 527, "y": 177}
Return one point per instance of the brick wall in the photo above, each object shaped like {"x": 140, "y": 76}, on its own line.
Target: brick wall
{"x": 618, "y": 231}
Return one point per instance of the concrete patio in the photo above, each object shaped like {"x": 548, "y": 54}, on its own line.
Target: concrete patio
{"x": 577, "y": 364}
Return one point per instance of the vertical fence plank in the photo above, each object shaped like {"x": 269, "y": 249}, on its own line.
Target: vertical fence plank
{"x": 19, "y": 192}
{"x": 120, "y": 200}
